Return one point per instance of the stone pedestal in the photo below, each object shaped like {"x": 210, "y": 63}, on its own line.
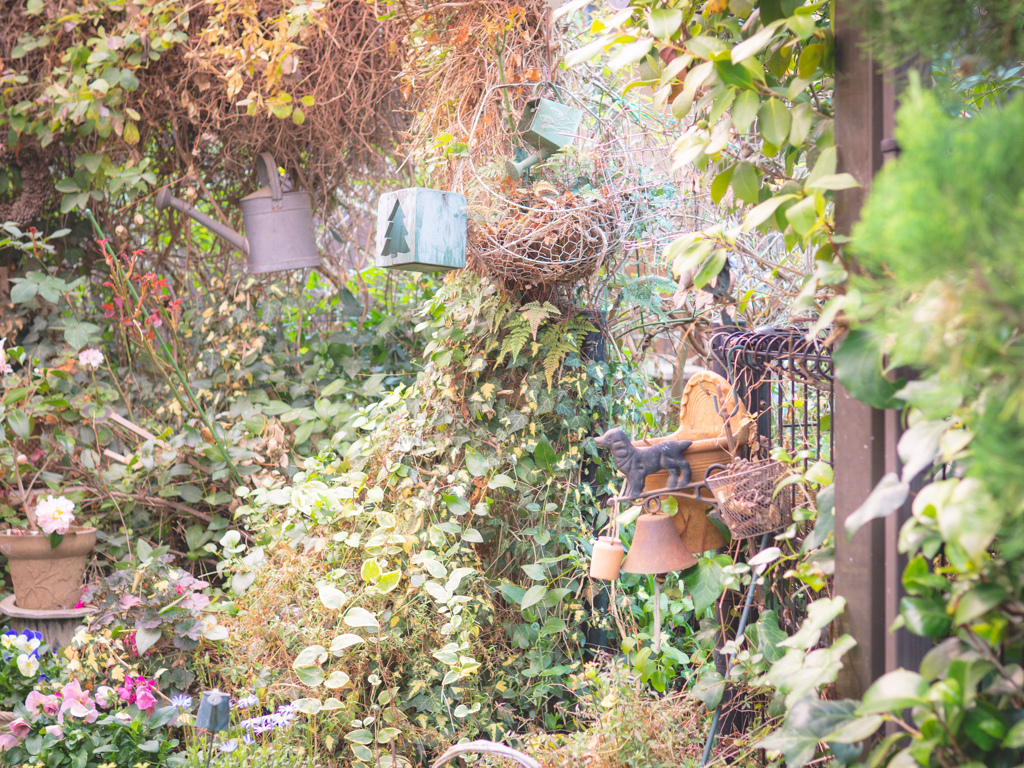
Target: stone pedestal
{"x": 56, "y": 626}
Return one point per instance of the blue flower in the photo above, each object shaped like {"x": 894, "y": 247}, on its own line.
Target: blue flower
{"x": 247, "y": 739}
{"x": 259, "y": 724}
{"x": 247, "y": 701}
{"x": 228, "y": 746}
{"x": 181, "y": 701}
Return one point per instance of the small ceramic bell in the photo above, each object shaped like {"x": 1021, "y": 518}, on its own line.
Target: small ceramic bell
{"x": 606, "y": 558}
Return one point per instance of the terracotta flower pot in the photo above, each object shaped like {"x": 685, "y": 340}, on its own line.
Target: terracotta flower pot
{"x": 606, "y": 558}
{"x": 44, "y": 578}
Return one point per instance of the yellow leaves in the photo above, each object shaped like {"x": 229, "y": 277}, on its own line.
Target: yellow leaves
{"x": 487, "y": 391}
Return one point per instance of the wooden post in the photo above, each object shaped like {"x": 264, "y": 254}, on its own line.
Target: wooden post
{"x": 859, "y": 429}
{"x": 869, "y": 568}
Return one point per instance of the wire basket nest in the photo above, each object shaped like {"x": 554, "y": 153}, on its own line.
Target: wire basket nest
{"x": 543, "y": 238}
{"x": 747, "y": 497}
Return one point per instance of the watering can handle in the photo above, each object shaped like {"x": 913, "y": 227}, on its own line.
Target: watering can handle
{"x": 266, "y": 171}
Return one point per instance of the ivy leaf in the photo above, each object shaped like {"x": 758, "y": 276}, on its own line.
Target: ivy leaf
{"x": 544, "y": 454}
{"x": 820, "y": 614}
{"x": 475, "y": 463}
{"x": 710, "y": 687}
{"x": 705, "y": 581}
{"x": 767, "y": 635}
{"x": 337, "y": 679}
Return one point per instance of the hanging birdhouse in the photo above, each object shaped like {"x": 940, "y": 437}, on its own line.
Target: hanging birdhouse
{"x": 547, "y": 126}
{"x": 422, "y": 230}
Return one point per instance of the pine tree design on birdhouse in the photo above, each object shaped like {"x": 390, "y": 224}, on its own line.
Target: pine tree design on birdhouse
{"x": 394, "y": 236}
{"x": 422, "y": 230}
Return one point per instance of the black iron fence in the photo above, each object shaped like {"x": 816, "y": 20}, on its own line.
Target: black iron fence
{"x": 785, "y": 380}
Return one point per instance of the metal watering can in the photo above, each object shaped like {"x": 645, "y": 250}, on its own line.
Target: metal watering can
{"x": 278, "y": 225}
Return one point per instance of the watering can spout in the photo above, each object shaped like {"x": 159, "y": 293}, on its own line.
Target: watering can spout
{"x": 279, "y": 229}
{"x": 164, "y": 199}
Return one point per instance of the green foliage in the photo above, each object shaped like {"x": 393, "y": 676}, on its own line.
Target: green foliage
{"x": 982, "y": 32}
{"x": 939, "y": 245}
{"x": 446, "y": 552}
{"x": 139, "y": 740}
{"x": 755, "y": 85}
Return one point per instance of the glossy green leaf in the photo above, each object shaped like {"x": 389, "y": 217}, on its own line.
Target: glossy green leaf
{"x": 774, "y": 121}
{"x": 894, "y": 692}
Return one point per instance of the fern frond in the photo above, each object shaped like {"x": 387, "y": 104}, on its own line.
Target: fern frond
{"x": 514, "y": 341}
{"x": 536, "y": 314}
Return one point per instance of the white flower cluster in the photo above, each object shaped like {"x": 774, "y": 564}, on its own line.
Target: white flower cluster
{"x": 55, "y": 514}
{"x": 90, "y": 358}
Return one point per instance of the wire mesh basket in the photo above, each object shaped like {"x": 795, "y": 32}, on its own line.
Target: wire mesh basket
{"x": 747, "y": 499}
{"x": 544, "y": 238}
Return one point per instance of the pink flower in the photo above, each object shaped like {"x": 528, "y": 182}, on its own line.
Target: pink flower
{"x": 104, "y": 696}
{"x": 7, "y": 741}
{"x": 37, "y": 702}
{"x": 56, "y": 731}
{"x": 20, "y": 728}
{"x": 55, "y": 514}
{"x": 78, "y": 702}
{"x": 124, "y": 717}
{"x": 145, "y": 700}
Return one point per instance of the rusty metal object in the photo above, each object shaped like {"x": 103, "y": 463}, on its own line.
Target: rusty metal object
{"x": 639, "y": 463}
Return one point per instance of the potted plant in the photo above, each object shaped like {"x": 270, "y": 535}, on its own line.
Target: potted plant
{"x": 48, "y": 558}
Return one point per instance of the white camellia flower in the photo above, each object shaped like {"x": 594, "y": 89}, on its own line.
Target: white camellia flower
{"x": 90, "y": 358}
{"x": 28, "y": 665}
{"x": 55, "y": 514}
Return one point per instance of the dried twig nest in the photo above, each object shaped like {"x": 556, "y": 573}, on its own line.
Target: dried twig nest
{"x": 36, "y": 183}
{"x": 542, "y": 240}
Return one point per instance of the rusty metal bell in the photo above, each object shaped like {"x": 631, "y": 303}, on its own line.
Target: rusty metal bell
{"x": 657, "y": 547}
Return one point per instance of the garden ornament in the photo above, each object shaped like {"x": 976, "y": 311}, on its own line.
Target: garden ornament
{"x": 421, "y": 230}
{"x": 279, "y": 232}
{"x": 637, "y": 463}
{"x": 606, "y": 556}
{"x": 657, "y": 549}
{"x": 547, "y": 126}
{"x": 214, "y": 712}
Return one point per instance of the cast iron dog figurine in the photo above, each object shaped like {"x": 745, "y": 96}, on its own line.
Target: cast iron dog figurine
{"x": 637, "y": 463}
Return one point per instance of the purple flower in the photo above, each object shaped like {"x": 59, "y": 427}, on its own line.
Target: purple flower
{"x": 228, "y": 746}
{"x": 181, "y": 701}
{"x": 247, "y": 701}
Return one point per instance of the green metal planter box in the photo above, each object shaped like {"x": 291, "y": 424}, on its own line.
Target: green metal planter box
{"x": 422, "y": 230}
{"x": 547, "y": 126}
